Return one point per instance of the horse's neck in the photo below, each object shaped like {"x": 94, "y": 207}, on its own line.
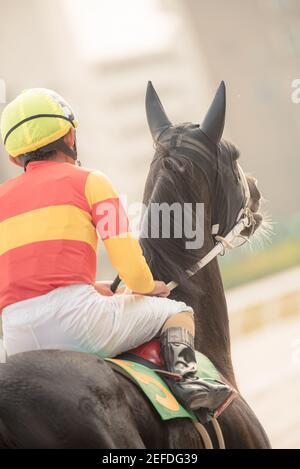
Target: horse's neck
{"x": 211, "y": 319}
{"x": 207, "y": 294}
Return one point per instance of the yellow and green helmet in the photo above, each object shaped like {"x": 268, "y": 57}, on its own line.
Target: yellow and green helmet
{"x": 34, "y": 119}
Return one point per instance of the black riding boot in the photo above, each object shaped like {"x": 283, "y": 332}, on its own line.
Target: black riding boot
{"x": 177, "y": 350}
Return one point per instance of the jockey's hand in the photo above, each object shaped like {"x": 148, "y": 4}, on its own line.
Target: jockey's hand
{"x": 160, "y": 289}
{"x": 103, "y": 288}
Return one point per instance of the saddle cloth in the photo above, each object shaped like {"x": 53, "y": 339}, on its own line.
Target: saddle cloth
{"x": 142, "y": 366}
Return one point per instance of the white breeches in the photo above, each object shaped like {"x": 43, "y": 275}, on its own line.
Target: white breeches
{"x": 78, "y": 318}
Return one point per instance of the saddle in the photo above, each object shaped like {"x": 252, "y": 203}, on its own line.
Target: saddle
{"x": 143, "y": 365}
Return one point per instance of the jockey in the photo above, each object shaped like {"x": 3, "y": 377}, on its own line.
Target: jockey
{"x": 49, "y": 219}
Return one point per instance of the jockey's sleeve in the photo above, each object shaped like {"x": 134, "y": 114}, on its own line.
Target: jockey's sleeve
{"x": 110, "y": 219}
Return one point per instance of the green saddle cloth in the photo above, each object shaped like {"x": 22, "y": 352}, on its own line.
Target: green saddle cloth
{"x": 157, "y": 391}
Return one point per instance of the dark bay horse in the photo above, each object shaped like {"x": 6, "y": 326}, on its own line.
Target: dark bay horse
{"x": 62, "y": 399}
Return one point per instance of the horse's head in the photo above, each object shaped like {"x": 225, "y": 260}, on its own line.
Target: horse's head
{"x": 192, "y": 165}
{"x": 202, "y": 147}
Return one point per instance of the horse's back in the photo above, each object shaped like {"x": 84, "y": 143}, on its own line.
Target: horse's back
{"x": 60, "y": 399}
{"x": 56, "y": 399}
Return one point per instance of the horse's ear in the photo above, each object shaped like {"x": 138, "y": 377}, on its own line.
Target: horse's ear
{"x": 156, "y": 116}
{"x": 213, "y": 124}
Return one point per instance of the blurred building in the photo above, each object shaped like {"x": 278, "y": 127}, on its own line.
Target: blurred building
{"x": 185, "y": 47}
{"x": 107, "y": 92}
{"x": 41, "y": 46}
{"x": 255, "y": 47}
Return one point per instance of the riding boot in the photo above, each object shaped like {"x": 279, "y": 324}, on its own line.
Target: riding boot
{"x": 178, "y": 353}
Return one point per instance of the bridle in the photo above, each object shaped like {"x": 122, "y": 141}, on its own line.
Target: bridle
{"x": 244, "y": 220}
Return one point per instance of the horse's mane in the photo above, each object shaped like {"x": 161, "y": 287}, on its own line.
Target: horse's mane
{"x": 175, "y": 178}
{"x": 167, "y": 257}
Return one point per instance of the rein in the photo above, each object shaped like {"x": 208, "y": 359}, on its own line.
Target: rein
{"x": 221, "y": 246}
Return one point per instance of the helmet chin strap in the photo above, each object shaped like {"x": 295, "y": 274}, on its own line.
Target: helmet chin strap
{"x": 58, "y": 145}
{"x": 62, "y": 146}
{"x": 244, "y": 220}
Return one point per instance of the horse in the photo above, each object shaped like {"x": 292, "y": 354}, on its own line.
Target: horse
{"x": 65, "y": 399}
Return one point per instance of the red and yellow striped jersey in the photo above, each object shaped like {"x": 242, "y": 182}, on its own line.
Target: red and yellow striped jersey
{"x": 49, "y": 218}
